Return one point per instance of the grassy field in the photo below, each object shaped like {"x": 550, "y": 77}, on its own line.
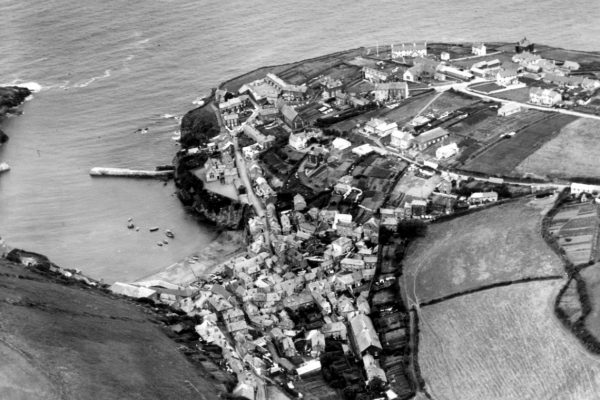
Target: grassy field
{"x": 486, "y": 125}
{"x": 573, "y": 153}
{"x": 575, "y": 226}
{"x": 450, "y": 101}
{"x": 506, "y": 155}
{"x": 504, "y": 343}
{"x": 408, "y": 110}
{"x": 499, "y": 244}
{"x": 591, "y": 276}
{"x": 60, "y": 341}
{"x": 521, "y": 95}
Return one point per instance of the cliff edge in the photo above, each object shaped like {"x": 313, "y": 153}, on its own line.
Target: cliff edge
{"x": 62, "y": 339}
{"x": 10, "y": 97}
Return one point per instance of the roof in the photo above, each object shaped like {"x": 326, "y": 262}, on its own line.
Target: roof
{"x": 364, "y": 333}
{"x": 432, "y": 134}
{"x": 391, "y": 86}
{"x": 289, "y": 112}
{"x": 524, "y": 42}
{"x": 507, "y": 72}
{"x": 340, "y": 143}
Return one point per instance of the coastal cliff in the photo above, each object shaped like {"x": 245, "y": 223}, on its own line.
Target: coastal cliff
{"x": 198, "y": 126}
{"x": 212, "y": 207}
{"x": 10, "y": 97}
{"x": 62, "y": 338}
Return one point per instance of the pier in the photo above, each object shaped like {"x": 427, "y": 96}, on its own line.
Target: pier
{"x": 131, "y": 173}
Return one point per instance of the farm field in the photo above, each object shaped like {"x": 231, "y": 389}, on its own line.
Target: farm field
{"x": 486, "y": 126}
{"x": 506, "y": 155}
{"x": 591, "y": 277}
{"x": 498, "y": 244}
{"x": 504, "y": 343}
{"x": 576, "y": 228}
{"x": 450, "y": 101}
{"x": 573, "y": 153}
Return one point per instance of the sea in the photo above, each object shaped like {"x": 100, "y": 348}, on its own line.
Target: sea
{"x": 107, "y": 71}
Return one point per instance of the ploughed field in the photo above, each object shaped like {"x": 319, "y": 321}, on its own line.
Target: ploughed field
{"x": 491, "y": 246}
{"x": 576, "y": 228}
{"x": 504, "y": 343}
{"x": 573, "y": 153}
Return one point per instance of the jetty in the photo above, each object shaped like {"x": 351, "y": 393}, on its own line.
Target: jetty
{"x": 131, "y": 173}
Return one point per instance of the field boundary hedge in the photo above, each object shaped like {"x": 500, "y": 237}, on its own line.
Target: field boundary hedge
{"x": 577, "y": 328}
{"x": 488, "y": 287}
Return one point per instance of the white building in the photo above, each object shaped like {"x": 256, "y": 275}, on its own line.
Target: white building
{"x": 401, "y": 139}
{"x": 409, "y": 50}
{"x": 578, "y": 188}
{"x": 444, "y": 56}
{"x": 479, "y": 49}
{"x": 379, "y": 127}
{"x": 509, "y": 109}
{"x": 446, "y": 151}
{"x": 298, "y": 141}
{"x": 340, "y": 144}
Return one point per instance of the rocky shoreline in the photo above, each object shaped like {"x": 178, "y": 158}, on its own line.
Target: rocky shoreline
{"x": 11, "y": 97}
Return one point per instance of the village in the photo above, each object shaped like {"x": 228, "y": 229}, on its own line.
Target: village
{"x": 336, "y": 166}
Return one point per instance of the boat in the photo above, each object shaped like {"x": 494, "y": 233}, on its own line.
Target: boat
{"x": 169, "y": 234}
{"x": 4, "y": 167}
{"x": 159, "y": 243}
{"x": 130, "y": 225}
{"x": 165, "y": 241}
{"x": 154, "y": 229}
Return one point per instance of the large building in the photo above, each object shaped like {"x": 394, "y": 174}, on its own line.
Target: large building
{"x": 479, "y": 49}
{"x": 365, "y": 338}
{"x": 379, "y": 127}
{"x": 390, "y": 91}
{"x": 401, "y": 139}
{"x": 524, "y": 45}
{"x": 430, "y": 137}
{"x": 544, "y": 97}
{"x": 409, "y": 50}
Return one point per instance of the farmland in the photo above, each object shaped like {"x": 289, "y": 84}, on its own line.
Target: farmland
{"x": 450, "y": 101}
{"x": 573, "y": 153}
{"x": 504, "y": 343}
{"x": 498, "y": 244}
{"x": 506, "y": 155}
{"x": 591, "y": 277}
{"x": 576, "y": 228}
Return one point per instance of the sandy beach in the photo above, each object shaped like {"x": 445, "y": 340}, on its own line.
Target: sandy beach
{"x": 203, "y": 261}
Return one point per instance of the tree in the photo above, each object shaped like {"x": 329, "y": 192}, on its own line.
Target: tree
{"x": 377, "y": 385}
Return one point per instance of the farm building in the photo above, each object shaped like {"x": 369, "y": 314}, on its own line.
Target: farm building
{"x": 509, "y": 109}
{"x": 430, "y": 137}
{"x": 446, "y": 151}
{"x": 544, "y": 97}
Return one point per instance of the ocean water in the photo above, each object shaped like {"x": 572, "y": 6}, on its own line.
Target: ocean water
{"x": 108, "y": 68}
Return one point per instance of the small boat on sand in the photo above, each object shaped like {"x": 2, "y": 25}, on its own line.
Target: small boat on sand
{"x": 159, "y": 243}
{"x": 169, "y": 234}
{"x": 154, "y": 229}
